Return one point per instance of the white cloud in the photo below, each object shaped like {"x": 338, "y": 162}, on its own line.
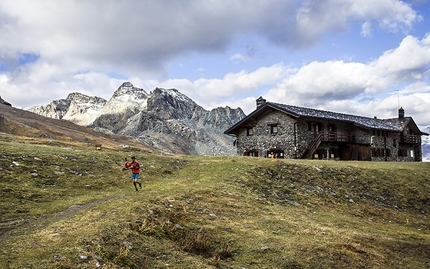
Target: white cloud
{"x": 214, "y": 92}
{"x": 412, "y": 54}
{"x": 315, "y": 18}
{"x": 340, "y": 86}
{"x": 366, "y": 29}
{"x": 108, "y": 35}
{"x": 349, "y": 87}
{"x": 80, "y": 44}
{"x": 240, "y": 57}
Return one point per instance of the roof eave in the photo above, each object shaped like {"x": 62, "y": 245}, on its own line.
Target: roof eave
{"x": 260, "y": 109}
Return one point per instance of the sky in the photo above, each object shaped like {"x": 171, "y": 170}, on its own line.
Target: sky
{"x": 361, "y": 57}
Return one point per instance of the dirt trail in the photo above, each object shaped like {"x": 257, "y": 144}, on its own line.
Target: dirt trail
{"x": 31, "y": 225}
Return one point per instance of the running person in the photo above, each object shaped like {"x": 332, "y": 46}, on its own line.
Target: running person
{"x": 135, "y": 170}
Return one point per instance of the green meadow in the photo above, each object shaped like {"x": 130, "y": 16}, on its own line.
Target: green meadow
{"x": 74, "y": 207}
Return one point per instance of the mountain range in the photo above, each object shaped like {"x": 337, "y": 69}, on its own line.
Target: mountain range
{"x": 164, "y": 119}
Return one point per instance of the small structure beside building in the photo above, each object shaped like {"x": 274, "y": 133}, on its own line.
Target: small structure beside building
{"x": 283, "y": 131}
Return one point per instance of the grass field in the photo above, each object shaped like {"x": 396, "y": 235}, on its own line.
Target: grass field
{"x": 72, "y": 207}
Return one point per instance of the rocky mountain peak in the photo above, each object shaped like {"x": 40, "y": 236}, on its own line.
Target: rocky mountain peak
{"x": 126, "y": 98}
{"x": 171, "y": 104}
{"x": 172, "y": 94}
{"x": 85, "y": 100}
{"x": 77, "y": 107}
{"x": 222, "y": 117}
{"x": 129, "y": 92}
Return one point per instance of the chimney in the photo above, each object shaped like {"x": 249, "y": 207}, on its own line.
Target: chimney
{"x": 260, "y": 101}
{"x": 401, "y": 113}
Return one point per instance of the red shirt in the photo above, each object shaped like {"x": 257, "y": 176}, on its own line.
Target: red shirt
{"x": 135, "y": 166}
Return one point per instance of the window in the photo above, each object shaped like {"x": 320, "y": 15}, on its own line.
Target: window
{"x": 309, "y": 126}
{"x": 273, "y": 127}
{"x": 394, "y": 142}
{"x": 249, "y": 131}
{"x": 380, "y": 152}
{"x": 402, "y": 153}
{"x": 252, "y": 153}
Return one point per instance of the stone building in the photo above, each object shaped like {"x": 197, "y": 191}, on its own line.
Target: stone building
{"x": 282, "y": 131}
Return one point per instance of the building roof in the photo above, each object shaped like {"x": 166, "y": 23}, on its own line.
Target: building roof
{"x": 392, "y": 125}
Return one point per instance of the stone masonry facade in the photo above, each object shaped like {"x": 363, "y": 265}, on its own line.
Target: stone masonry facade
{"x": 276, "y": 133}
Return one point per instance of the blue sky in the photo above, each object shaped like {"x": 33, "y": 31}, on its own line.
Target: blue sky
{"x": 361, "y": 57}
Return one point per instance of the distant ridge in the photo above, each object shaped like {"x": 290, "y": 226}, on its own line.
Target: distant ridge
{"x": 3, "y": 102}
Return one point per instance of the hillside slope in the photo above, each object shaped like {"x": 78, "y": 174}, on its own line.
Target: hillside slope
{"x": 209, "y": 212}
{"x": 27, "y": 124}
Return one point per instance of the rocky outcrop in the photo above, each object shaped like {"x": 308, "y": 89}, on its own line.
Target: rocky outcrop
{"x": 78, "y": 108}
{"x": 126, "y": 97}
{"x": 3, "y": 102}
{"x": 175, "y": 123}
{"x": 83, "y": 109}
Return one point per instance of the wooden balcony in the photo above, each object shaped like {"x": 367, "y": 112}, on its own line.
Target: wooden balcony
{"x": 411, "y": 139}
{"x": 326, "y": 137}
{"x": 338, "y": 137}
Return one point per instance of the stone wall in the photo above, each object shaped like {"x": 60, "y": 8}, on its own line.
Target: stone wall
{"x": 262, "y": 140}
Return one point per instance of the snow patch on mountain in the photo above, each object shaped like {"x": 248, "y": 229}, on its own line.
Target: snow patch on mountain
{"x": 83, "y": 109}
{"x": 174, "y": 93}
{"x": 77, "y": 107}
{"x": 126, "y": 97}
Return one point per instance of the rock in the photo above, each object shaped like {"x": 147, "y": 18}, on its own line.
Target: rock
{"x": 2, "y": 101}
{"x": 319, "y": 170}
{"x": 291, "y": 202}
